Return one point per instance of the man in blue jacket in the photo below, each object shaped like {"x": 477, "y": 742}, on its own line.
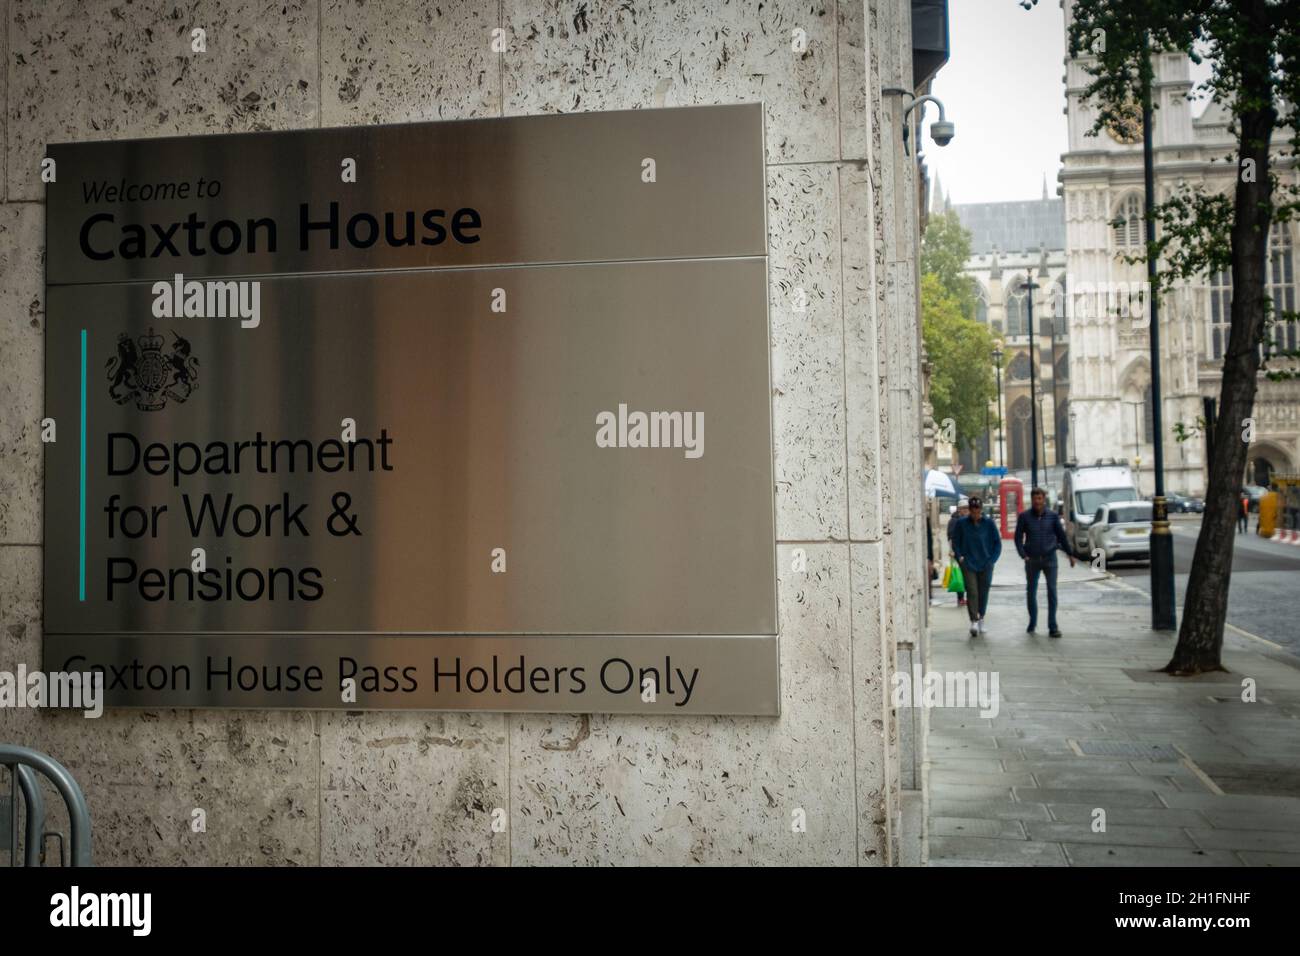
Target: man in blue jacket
{"x": 1038, "y": 536}
{"x": 977, "y": 546}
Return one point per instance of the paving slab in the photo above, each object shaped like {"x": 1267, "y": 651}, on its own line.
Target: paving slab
{"x": 998, "y": 779}
{"x": 1280, "y": 841}
{"x": 981, "y": 764}
{"x": 977, "y": 827}
{"x": 964, "y": 863}
{"x": 1097, "y": 781}
{"x": 991, "y": 809}
{"x": 1260, "y": 858}
{"x": 1115, "y": 834}
{"x": 1232, "y": 803}
{"x": 958, "y": 791}
{"x": 1129, "y": 816}
{"x": 1106, "y": 799}
{"x": 1146, "y": 856}
{"x": 949, "y": 741}
{"x": 1048, "y": 745}
{"x": 1015, "y": 852}
{"x": 1232, "y": 819}
{"x": 1070, "y": 763}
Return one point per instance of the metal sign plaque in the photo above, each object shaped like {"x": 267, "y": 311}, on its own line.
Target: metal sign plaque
{"x": 585, "y": 187}
{"x": 467, "y": 415}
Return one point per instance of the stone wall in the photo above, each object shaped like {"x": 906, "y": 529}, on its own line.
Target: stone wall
{"x": 337, "y": 788}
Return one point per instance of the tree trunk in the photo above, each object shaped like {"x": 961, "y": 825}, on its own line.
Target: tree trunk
{"x": 1200, "y": 640}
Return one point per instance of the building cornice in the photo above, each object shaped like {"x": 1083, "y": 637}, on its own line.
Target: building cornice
{"x": 1134, "y": 174}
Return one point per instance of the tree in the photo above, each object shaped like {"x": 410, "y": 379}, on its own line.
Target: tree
{"x": 1253, "y": 47}
{"x": 961, "y": 378}
{"x": 945, "y": 247}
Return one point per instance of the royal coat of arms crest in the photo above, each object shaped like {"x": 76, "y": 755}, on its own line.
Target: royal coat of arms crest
{"x": 141, "y": 373}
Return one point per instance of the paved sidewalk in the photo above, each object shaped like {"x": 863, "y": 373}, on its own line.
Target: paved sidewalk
{"x": 1185, "y": 772}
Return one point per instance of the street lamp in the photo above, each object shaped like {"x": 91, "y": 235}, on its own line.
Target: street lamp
{"x": 1163, "y": 600}
{"x": 988, "y": 433}
{"x": 1002, "y": 422}
{"x": 1058, "y": 316}
{"x": 1028, "y": 287}
{"x": 1042, "y": 438}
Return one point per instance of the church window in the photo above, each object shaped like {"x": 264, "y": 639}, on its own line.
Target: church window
{"x": 1019, "y": 370}
{"x": 1059, "y": 324}
{"x": 1017, "y": 308}
{"x": 1220, "y": 312}
{"x": 1128, "y": 223}
{"x": 1279, "y": 285}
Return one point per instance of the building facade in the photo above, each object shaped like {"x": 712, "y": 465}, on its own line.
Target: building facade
{"x": 1018, "y": 251}
{"x": 1110, "y": 363}
{"x": 836, "y": 778}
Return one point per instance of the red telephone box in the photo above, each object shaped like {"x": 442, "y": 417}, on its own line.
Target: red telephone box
{"x": 1011, "y": 501}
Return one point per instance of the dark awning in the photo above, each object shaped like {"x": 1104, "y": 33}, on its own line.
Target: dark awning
{"x": 929, "y": 39}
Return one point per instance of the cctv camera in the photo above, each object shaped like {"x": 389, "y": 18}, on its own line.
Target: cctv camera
{"x": 942, "y": 130}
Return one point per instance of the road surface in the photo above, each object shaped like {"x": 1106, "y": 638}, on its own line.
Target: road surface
{"x": 1264, "y": 592}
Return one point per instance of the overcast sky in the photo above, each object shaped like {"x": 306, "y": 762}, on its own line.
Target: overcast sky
{"x": 1002, "y": 87}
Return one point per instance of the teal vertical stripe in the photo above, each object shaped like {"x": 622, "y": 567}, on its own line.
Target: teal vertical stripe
{"x": 81, "y": 588}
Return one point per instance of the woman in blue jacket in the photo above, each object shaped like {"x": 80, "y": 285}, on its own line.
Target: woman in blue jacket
{"x": 977, "y": 546}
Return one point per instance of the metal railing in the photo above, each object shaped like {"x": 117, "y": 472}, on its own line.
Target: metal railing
{"x": 24, "y": 764}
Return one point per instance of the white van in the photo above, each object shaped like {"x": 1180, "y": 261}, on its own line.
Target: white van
{"x": 1084, "y": 489}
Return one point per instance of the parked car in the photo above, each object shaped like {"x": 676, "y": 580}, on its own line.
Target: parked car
{"x": 1121, "y": 530}
{"x": 1183, "y": 504}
